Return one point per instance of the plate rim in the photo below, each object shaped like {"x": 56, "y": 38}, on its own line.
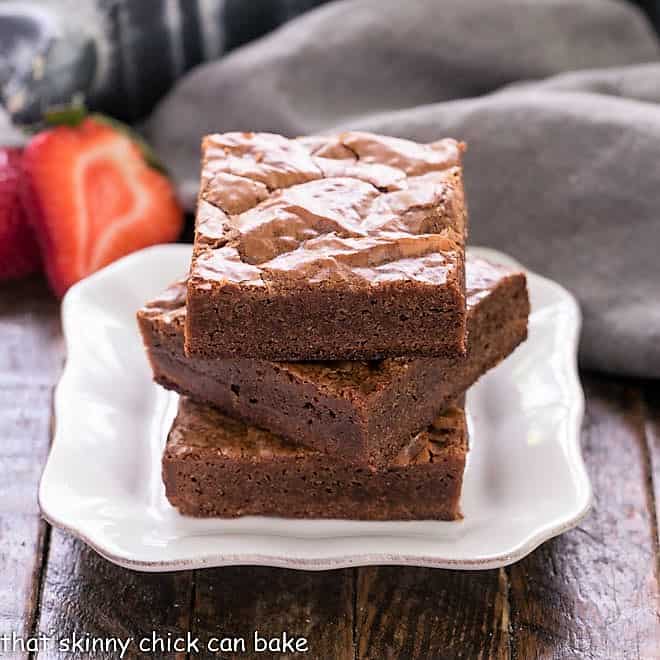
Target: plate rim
{"x": 333, "y": 561}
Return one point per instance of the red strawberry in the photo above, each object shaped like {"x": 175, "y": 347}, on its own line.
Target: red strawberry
{"x": 19, "y": 253}
{"x": 92, "y": 198}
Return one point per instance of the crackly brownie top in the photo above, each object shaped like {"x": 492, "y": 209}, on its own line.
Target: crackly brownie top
{"x": 354, "y": 206}
{"x": 482, "y": 277}
{"x": 202, "y": 427}
{"x": 169, "y": 306}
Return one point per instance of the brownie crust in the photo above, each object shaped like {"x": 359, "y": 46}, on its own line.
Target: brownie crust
{"x": 362, "y": 410}
{"x": 217, "y": 466}
{"x": 327, "y": 248}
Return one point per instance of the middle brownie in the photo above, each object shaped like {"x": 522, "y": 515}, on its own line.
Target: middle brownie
{"x": 364, "y": 410}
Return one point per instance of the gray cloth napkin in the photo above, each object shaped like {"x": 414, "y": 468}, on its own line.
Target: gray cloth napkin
{"x": 557, "y": 99}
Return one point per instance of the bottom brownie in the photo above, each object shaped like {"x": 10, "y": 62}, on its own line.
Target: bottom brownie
{"x": 217, "y": 466}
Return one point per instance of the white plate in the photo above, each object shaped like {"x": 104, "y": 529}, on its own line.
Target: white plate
{"x": 524, "y": 483}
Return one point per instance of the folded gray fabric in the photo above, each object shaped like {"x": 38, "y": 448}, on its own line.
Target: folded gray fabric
{"x": 562, "y": 173}
{"x": 634, "y": 82}
{"x": 356, "y": 57}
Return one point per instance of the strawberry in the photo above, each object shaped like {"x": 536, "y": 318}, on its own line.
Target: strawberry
{"x": 92, "y": 197}
{"x": 19, "y": 253}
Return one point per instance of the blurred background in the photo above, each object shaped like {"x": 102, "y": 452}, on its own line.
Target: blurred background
{"x": 558, "y": 100}
{"x": 125, "y": 54}
{"x": 122, "y": 54}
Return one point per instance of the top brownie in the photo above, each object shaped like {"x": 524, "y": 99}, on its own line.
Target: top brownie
{"x": 342, "y": 247}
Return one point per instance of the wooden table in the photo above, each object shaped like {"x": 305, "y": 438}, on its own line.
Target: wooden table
{"x": 592, "y": 593}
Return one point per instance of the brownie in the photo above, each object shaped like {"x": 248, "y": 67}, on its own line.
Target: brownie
{"x": 363, "y": 410}
{"x": 216, "y": 466}
{"x": 327, "y": 248}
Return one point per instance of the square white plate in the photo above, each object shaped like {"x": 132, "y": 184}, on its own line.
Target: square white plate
{"x": 525, "y": 480}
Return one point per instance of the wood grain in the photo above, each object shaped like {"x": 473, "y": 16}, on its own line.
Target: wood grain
{"x": 652, "y": 401}
{"x": 87, "y": 595}
{"x": 429, "y": 613}
{"x": 315, "y": 605}
{"x": 79, "y": 591}
{"x": 593, "y": 592}
{"x": 30, "y": 358}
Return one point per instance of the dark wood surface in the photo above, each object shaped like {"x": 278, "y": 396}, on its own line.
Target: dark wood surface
{"x": 591, "y": 593}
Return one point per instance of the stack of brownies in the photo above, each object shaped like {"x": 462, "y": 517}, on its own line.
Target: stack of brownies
{"x": 327, "y": 331}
